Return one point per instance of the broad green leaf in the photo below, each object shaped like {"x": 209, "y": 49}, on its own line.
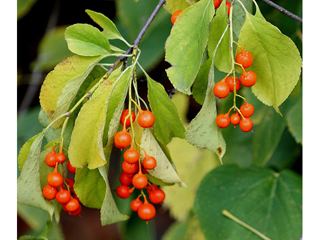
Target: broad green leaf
{"x": 168, "y": 123}
{"x": 267, "y": 136}
{"x": 294, "y": 120}
{"x": 135, "y": 228}
{"x": 202, "y": 130}
{"x": 86, "y": 40}
{"x": 52, "y": 49}
{"x": 24, "y": 151}
{"x": 201, "y": 82}
{"x": 109, "y": 212}
{"x": 173, "y": 5}
{"x": 132, "y": 15}
{"x": 62, "y": 84}
{"x": 86, "y": 146}
{"x": 218, "y": 25}
{"x": 164, "y": 169}
{"x": 23, "y": 7}
{"x": 109, "y": 28}
{"x": 29, "y": 188}
{"x": 187, "y": 43}
{"x": 181, "y": 102}
{"x": 187, "y": 230}
{"x": 33, "y": 216}
{"x": 269, "y": 202}
{"x": 90, "y": 187}
{"x": 277, "y": 61}
{"x": 239, "y": 16}
{"x": 185, "y": 156}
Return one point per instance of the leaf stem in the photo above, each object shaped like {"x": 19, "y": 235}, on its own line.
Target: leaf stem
{"x": 229, "y": 215}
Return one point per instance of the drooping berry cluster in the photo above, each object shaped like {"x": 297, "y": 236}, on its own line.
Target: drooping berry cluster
{"x": 233, "y": 84}
{"x": 133, "y": 175}
{"x": 216, "y": 4}
{"x": 59, "y": 188}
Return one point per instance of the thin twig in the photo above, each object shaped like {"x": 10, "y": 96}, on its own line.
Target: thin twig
{"x": 283, "y": 10}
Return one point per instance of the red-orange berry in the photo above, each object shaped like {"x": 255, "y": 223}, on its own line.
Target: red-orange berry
{"x": 49, "y": 192}
{"x": 70, "y": 182}
{"x": 235, "y": 118}
{"x": 230, "y": 82}
{"x": 63, "y": 196}
{"x": 55, "y": 179}
{"x": 123, "y": 191}
{"x": 221, "y": 89}
{"x": 146, "y": 119}
{"x": 131, "y": 155}
{"x": 51, "y": 158}
{"x": 248, "y": 78}
{"x": 149, "y": 162}
{"x": 223, "y": 120}
{"x": 157, "y": 196}
{"x": 71, "y": 168}
{"x": 244, "y": 58}
{"x": 73, "y": 205}
{"x": 122, "y": 139}
{"x": 246, "y": 124}
{"x": 135, "y": 204}
{"x": 124, "y": 115}
{"x": 125, "y": 179}
{"x": 228, "y": 7}
{"x": 76, "y": 212}
{"x": 129, "y": 168}
{"x": 175, "y": 16}
{"x": 217, "y": 3}
{"x": 61, "y": 157}
{"x": 247, "y": 109}
{"x": 139, "y": 181}
{"x": 146, "y": 211}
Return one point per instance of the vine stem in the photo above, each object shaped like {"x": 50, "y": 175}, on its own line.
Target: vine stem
{"x": 229, "y": 215}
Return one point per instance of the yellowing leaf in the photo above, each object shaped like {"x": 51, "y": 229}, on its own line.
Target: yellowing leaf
{"x": 62, "y": 84}
{"x": 186, "y": 44}
{"x": 276, "y": 62}
{"x": 172, "y": 5}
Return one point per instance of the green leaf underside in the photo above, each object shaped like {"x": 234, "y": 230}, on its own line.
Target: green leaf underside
{"x": 109, "y": 28}
{"x": 29, "y": 188}
{"x": 24, "y": 151}
{"x": 109, "y": 212}
{"x": 168, "y": 123}
{"x": 86, "y": 146}
{"x": 239, "y": 16}
{"x": 186, "y": 44}
{"x": 202, "y": 130}
{"x": 90, "y": 187}
{"x": 277, "y": 61}
{"x": 267, "y": 136}
{"x": 217, "y": 27}
{"x": 62, "y": 84}
{"x": 269, "y": 202}
{"x": 164, "y": 170}
{"x": 86, "y": 40}
{"x": 200, "y": 85}
{"x": 173, "y": 5}
{"x": 294, "y": 120}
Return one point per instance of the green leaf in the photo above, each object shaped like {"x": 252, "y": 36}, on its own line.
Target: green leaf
{"x": 109, "y": 28}
{"x": 86, "y": 146}
{"x": 90, "y": 187}
{"x": 172, "y": 5}
{"x": 222, "y": 59}
{"x": 109, "y": 212}
{"x": 269, "y": 202}
{"x": 200, "y": 84}
{"x": 52, "y": 49}
{"x": 34, "y": 217}
{"x": 239, "y": 16}
{"x": 29, "y": 188}
{"x": 86, "y": 40}
{"x": 24, "y": 7}
{"x": 267, "y": 136}
{"x": 294, "y": 120}
{"x": 62, "y": 84}
{"x": 187, "y": 43}
{"x": 185, "y": 156}
{"x": 277, "y": 61}
{"x": 164, "y": 169}
{"x": 25, "y": 150}
{"x": 135, "y": 228}
{"x": 202, "y": 130}
{"x": 168, "y": 124}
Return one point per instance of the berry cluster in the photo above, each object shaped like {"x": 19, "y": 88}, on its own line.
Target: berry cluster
{"x": 233, "y": 84}
{"x": 216, "y": 4}
{"x": 55, "y": 184}
{"x": 133, "y": 175}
